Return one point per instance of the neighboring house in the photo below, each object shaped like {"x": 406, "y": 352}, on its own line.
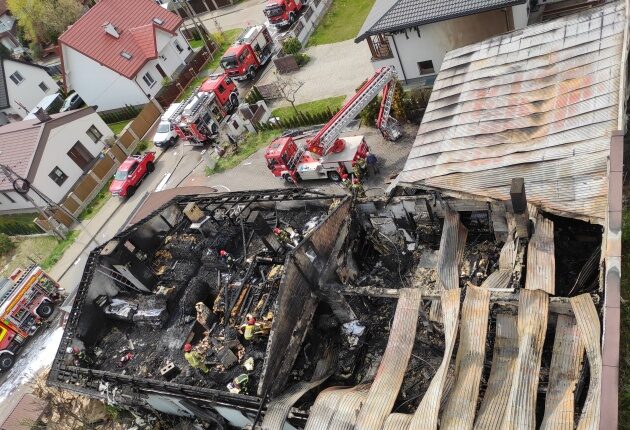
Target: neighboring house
{"x": 8, "y": 28}
{"x": 53, "y": 155}
{"x": 120, "y": 51}
{"x": 415, "y": 35}
{"x": 22, "y": 86}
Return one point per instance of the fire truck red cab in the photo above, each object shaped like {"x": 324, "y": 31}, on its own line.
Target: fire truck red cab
{"x": 26, "y": 300}
{"x": 282, "y": 13}
{"x": 224, "y": 90}
{"x": 252, "y": 50}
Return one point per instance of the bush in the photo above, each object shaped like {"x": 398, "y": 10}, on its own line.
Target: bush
{"x": 119, "y": 115}
{"x": 142, "y": 146}
{"x": 166, "y": 81}
{"x": 36, "y": 49}
{"x": 291, "y": 46}
{"x": 301, "y": 59}
{"x": 6, "y": 244}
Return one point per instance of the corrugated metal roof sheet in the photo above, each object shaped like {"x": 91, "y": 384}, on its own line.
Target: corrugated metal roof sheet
{"x": 540, "y": 103}
{"x": 392, "y": 15}
{"x": 135, "y": 23}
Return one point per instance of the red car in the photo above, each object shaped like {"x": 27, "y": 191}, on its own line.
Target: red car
{"x": 130, "y": 173}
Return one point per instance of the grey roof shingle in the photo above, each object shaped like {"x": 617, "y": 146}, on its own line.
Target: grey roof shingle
{"x": 392, "y": 15}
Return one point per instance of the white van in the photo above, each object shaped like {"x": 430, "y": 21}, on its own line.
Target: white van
{"x": 165, "y": 135}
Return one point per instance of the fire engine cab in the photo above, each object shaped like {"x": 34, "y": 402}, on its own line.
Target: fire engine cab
{"x": 282, "y": 13}
{"x": 26, "y": 300}
{"x": 223, "y": 88}
{"x": 326, "y": 155}
{"x": 252, "y": 50}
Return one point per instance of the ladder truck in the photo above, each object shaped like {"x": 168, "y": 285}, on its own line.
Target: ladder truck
{"x": 326, "y": 155}
{"x": 26, "y": 300}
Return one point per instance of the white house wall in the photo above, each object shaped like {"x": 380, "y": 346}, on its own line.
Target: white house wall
{"x": 520, "y": 13}
{"x": 438, "y": 38}
{"x": 97, "y": 85}
{"x": 55, "y": 154}
{"x": 169, "y": 59}
{"x": 12, "y": 202}
{"x": 27, "y": 93}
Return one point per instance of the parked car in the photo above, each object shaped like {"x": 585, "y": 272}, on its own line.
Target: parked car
{"x": 131, "y": 173}
{"x": 165, "y": 134}
{"x": 72, "y": 102}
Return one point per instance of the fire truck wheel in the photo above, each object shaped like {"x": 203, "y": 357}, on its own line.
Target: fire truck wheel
{"x": 234, "y": 100}
{"x": 214, "y": 128}
{"x": 6, "y": 361}
{"x": 291, "y": 17}
{"x": 334, "y": 176}
{"x": 150, "y": 167}
{"x": 45, "y": 310}
{"x": 251, "y": 72}
{"x": 131, "y": 191}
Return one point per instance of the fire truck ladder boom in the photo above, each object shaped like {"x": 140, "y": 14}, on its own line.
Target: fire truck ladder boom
{"x": 327, "y": 136}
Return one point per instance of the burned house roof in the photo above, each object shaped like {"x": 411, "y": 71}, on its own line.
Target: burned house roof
{"x": 396, "y": 15}
{"x": 384, "y": 313}
{"x": 541, "y": 103}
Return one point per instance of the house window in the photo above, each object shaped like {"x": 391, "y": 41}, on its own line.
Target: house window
{"x": 43, "y": 87}
{"x": 221, "y": 88}
{"x": 16, "y": 78}
{"x": 8, "y": 196}
{"x": 148, "y": 79}
{"x": 94, "y": 134}
{"x": 426, "y": 67}
{"x": 178, "y": 47}
{"x": 379, "y": 47}
{"x": 80, "y": 155}
{"x": 58, "y": 176}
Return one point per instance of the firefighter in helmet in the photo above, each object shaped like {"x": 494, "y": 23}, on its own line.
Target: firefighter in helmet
{"x": 226, "y": 258}
{"x": 357, "y": 189}
{"x": 283, "y": 235}
{"x": 195, "y": 359}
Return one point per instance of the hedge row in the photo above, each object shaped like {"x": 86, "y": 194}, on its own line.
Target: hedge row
{"x": 253, "y": 96}
{"x": 299, "y": 120}
{"x": 123, "y": 114}
{"x": 13, "y": 228}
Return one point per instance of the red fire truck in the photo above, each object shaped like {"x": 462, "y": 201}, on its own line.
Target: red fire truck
{"x": 196, "y": 119}
{"x": 282, "y": 13}
{"x": 251, "y": 51}
{"x": 326, "y": 155}
{"x": 26, "y": 300}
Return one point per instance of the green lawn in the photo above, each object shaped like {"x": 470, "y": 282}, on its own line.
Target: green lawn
{"x": 314, "y": 107}
{"x": 225, "y": 41}
{"x": 342, "y": 21}
{"x": 195, "y": 43}
{"x": 19, "y": 224}
{"x": 624, "y": 353}
{"x": 97, "y": 203}
{"x": 252, "y": 143}
{"x": 57, "y": 251}
{"x": 27, "y": 249}
{"x": 117, "y": 127}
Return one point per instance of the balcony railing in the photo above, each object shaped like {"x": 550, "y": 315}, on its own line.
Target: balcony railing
{"x": 379, "y": 46}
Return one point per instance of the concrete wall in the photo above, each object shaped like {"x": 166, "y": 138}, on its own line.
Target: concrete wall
{"x": 97, "y": 85}
{"x": 55, "y": 154}
{"x": 436, "y": 39}
{"x": 28, "y": 93}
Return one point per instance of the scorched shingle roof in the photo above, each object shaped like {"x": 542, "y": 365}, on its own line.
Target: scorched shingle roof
{"x": 393, "y": 15}
{"x": 136, "y": 22}
{"x": 540, "y": 103}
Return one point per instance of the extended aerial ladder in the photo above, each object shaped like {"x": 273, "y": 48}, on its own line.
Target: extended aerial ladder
{"x": 327, "y": 139}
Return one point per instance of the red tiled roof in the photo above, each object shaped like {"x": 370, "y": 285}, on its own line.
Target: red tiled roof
{"x": 25, "y": 413}
{"x": 134, "y": 21}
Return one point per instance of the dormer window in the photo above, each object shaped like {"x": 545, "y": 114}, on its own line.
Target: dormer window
{"x": 158, "y": 21}
{"x": 126, "y": 55}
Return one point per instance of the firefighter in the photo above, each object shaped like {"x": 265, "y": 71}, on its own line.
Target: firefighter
{"x": 226, "y": 258}
{"x": 249, "y": 329}
{"x": 372, "y": 162}
{"x": 360, "y": 167}
{"x": 283, "y": 235}
{"x": 239, "y": 384}
{"x": 357, "y": 189}
{"x": 345, "y": 181}
{"x": 195, "y": 359}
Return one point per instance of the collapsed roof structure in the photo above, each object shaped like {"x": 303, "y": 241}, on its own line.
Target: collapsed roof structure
{"x": 468, "y": 307}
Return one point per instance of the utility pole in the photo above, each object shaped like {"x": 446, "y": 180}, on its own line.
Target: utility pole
{"x": 199, "y": 26}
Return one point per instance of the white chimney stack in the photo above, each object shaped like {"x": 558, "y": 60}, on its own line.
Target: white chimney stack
{"x": 111, "y": 30}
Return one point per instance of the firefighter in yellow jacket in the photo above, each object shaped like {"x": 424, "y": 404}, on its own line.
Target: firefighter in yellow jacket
{"x": 195, "y": 359}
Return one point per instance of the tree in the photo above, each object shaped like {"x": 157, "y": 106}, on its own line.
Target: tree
{"x": 43, "y": 21}
{"x": 288, "y": 87}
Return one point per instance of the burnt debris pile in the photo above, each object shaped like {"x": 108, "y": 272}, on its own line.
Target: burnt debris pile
{"x": 194, "y": 303}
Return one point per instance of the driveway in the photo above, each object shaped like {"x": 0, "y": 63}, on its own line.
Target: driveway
{"x": 334, "y": 70}
{"x": 252, "y": 173}
{"x": 249, "y": 12}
